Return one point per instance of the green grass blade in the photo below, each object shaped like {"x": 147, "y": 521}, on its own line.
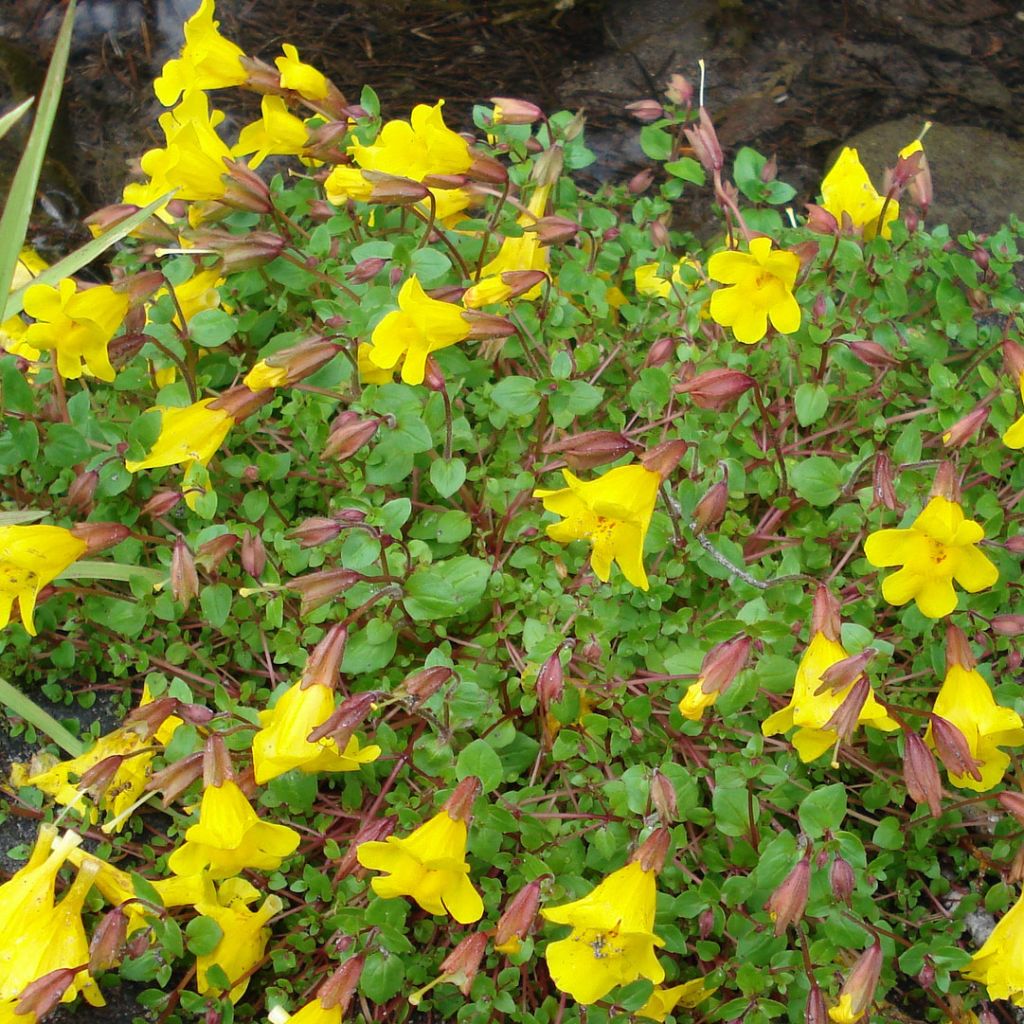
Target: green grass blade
{"x": 21, "y": 198}
{"x": 74, "y": 262}
{"x": 88, "y": 569}
{"x": 24, "y": 707}
{"x": 12, "y": 117}
{"x": 21, "y": 516}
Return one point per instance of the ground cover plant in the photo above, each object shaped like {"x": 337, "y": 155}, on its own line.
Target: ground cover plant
{"x": 519, "y": 610}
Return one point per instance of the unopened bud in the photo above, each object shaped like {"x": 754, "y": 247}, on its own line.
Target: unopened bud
{"x": 547, "y": 168}
{"x": 107, "y": 945}
{"x": 517, "y": 919}
{"x": 964, "y": 429}
{"x": 317, "y": 588}
{"x": 883, "y": 490}
{"x": 345, "y": 719}
{"x": 821, "y": 221}
{"x": 211, "y": 553}
{"x": 240, "y": 252}
{"x": 651, "y": 853}
{"x": 659, "y": 234}
{"x": 663, "y": 796}
{"x": 845, "y": 718}
{"x": 723, "y": 663}
{"x": 1015, "y": 544}
{"x": 551, "y": 681}
{"x": 664, "y": 458}
{"x": 184, "y": 578}
{"x": 953, "y": 749}
{"x": 1007, "y": 625}
{"x": 870, "y": 353}
{"x": 424, "y": 683}
{"x": 1013, "y": 357}
{"x": 82, "y": 491}
{"x": 716, "y": 389}
{"x": 592, "y": 448}
{"x": 679, "y": 90}
{"x": 161, "y": 503}
{"x": 841, "y": 879}
{"x": 366, "y": 270}
{"x": 825, "y": 614}
{"x": 946, "y": 485}
{"x": 958, "y": 650}
{"x": 926, "y": 976}
{"x": 711, "y": 508}
{"x": 706, "y": 922}
{"x": 373, "y": 832}
{"x": 246, "y": 190}
{"x": 508, "y": 110}
{"x": 641, "y": 182}
{"x": 176, "y": 777}
{"x": 460, "y": 804}
{"x": 315, "y": 531}
{"x": 337, "y": 991}
{"x": 99, "y": 536}
{"x": 770, "y": 170}
{"x": 151, "y": 230}
{"x": 820, "y": 307}
{"x": 254, "y": 554}
{"x": 1012, "y": 803}
{"x": 553, "y": 230}
{"x": 839, "y": 676}
{"x": 921, "y": 773}
{"x": 241, "y": 402}
{"x": 815, "y": 1011}
{"x": 858, "y": 991}
{"x": 646, "y": 111}
{"x": 704, "y": 140}
{"x": 216, "y": 762}
{"x": 787, "y": 903}
{"x": 660, "y": 352}
{"x": 485, "y": 326}
{"x": 460, "y": 967}
{"x": 433, "y": 376}
{"x": 349, "y": 436}
{"x": 41, "y": 996}
{"x": 488, "y": 170}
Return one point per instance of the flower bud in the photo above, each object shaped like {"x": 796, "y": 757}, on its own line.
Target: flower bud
{"x": 517, "y": 919}
{"x": 345, "y": 719}
{"x": 502, "y": 287}
{"x": 1007, "y": 625}
{"x": 433, "y": 377}
{"x": 704, "y": 140}
{"x": 323, "y": 665}
{"x": 716, "y": 389}
{"x": 659, "y": 234}
{"x": 1013, "y": 358}
{"x": 254, "y": 554}
{"x": 424, "y": 683}
{"x": 216, "y": 762}
{"x": 787, "y": 903}
{"x": 372, "y": 832}
{"x": 845, "y": 718}
{"x": 723, "y": 663}
{"x": 1015, "y": 544}
{"x": 99, "y": 536}
{"x": 515, "y": 111}
{"x": 485, "y": 326}
{"x": 184, "y": 578}
{"x": 317, "y": 588}
{"x": 651, "y": 853}
{"x": 82, "y": 490}
{"x": 393, "y": 190}
{"x": 246, "y": 190}
{"x": 41, "y": 996}
{"x": 97, "y": 777}
{"x": 814, "y": 1010}
{"x": 107, "y": 217}
{"x": 921, "y": 774}
{"x": 349, "y": 435}
{"x": 314, "y": 531}
{"x": 161, "y": 503}
{"x": 337, "y": 991}
{"x": 882, "y": 485}
{"x": 592, "y": 448}
{"x": 872, "y": 354}
{"x": 660, "y": 352}
{"x": 646, "y": 111}
{"x": 240, "y": 252}
{"x": 953, "y": 749}
{"x": 679, "y": 90}
{"x": 946, "y": 485}
{"x": 859, "y": 988}
{"x": 550, "y": 684}
{"x": 641, "y": 182}
{"x": 842, "y": 880}
{"x": 240, "y": 403}
{"x": 211, "y": 553}
{"x": 706, "y": 922}
{"x": 486, "y": 169}
{"x": 711, "y": 508}
{"x": 821, "y": 221}
{"x": 176, "y": 777}
{"x": 820, "y": 307}
{"x": 825, "y": 613}
{"x": 107, "y": 945}
{"x": 664, "y": 458}
{"x": 958, "y": 650}
{"x": 663, "y": 796}
{"x": 1012, "y": 803}
{"x": 366, "y": 270}
{"x": 547, "y": 168}
{"x": 554, "y": 230}
{"x": 460, "y": 804}
{"x": 964, "y": 429}
{"x": 839, "y": 676}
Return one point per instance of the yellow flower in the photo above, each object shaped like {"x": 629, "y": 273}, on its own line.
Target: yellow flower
{"x": 245, "y": 936}
{"x": 12, "y": 331}
{"x": 522, "y": 253}
{"x": 314, "y": 1012}
{"x": 809, "y": 711}
{"x": 999, "y": 964}
{"x": 650, "y": 282}
{"x": 429, "y": 865}
{"x": 304, "y": 79}
{"x": 847, "y": 189}
{"x": 190, "y": 433}
{"x": 965, "y": 700}
{"x": 369, "y": 372}
{"x": 77, "y": 325}
{"x": 419, "y": 326}
{"x": 278, "y": 132}
{"x": 612, "y": 941}
{"x": 30, "y": 558}
{"x": 940, "y": 546}
{"x": 613, "y": 512}
{"x": 207, "y": 61}
{"x": 664, "y": 1000}
{"x": 695, "y": 701}
{"x": 263, "y": 375}
{"x": 282, "y": 743}
{"x": 344, "y": 183}
{"x": 200, "y": 292}
{"x": 230, "y": 837}
{"x": 1014, "y": 436}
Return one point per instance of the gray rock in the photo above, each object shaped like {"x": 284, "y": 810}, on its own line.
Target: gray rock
{"x": 978, "y": 174}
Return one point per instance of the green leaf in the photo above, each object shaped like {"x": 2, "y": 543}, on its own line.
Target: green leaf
{"x": 26, "y": 708}
{"x": 65, "y": 445}
{"x": 748, "y": 166}
{"x": 817, "y": 480}
{"x": 811, "y": 401}
{"x": 216, "y": 604}
{"x": 447, "y": 477}
{"x": 480, "y": 759}
{"x": 383, "y": 977}
{"x": 447, "y": 588}
{"x": 823, "y": 810}
{"x": 12, "y": 117}
{"x": 688, "y": 169}
{"x": 212, "y": 327}
{"x": 655, "y": 142}
{"x": 203, "y": 935}
{"x": 15, "y": 394}
{"x": 429, "y": 265}
{"x": 517, "y": 395}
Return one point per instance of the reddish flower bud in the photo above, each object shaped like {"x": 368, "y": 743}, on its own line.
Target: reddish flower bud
{"x": 1012, "y": 803}
{"x": 461, "y": 965}
{"x": 859, "y": 989}
{"x": 315, "y": 531}
{"x": 550, "y": 684}
{"x": 592, "y": 448}
{"x": 926, "y": 976}
{"x": 651, "y": 853}
{"x": 96, "y": 778}
{"x": 161, "y": 503}
{"x": 184, "y": 578}
{"x": 716, "y": 389}
{"x": 340, "y": 987}
{"x": 216, "y": 762}
{"x": 825, "y": 613}
{"x": 346, "y": 438}
{"x": 151, "y": 230}
{"x": 641, "y": 182}
{"x": 840, "y": 675}
{"x": 660, "y": 352}
{"x": 815, "y": 1011}
{"x": 99, "y": 536}
{"x": 317, "y": 588}
{"x": 706, "y": 922}
{"x": 1013, "y": 357}
{"x": 366, "y": 270}
{"x": 820, "y": 220}
{"x": 176, "y": 777}
{"x": 41, "y": 996}
{"x": 508, "y": 110}
{"x": 487, "y": 169}
{"x": 844, "y": 719}
{"x": 711, "y": 508}
{"x": 485, "y": 326}
{"x": 323, "y": 665}
{"x": 953, "y": 749}
{"x": 345, "y": 719}
{"x": 554, "y": 230}
{"x": 870, "y": 353}
{"x": 964, "y": 429}
{"x": 254, "y": 554}
{"x": 946, "y": 485}
{"x": 664, "y": 458}
{"x": 240, "y": 252}
{"x": 723, "y": 663}
{"x": 460, "y": 803}
{"x": 663, "y": 796}
{"x": 1015, "y": 544}
{"x": 958, "y": 650}
{"x": 679, "y": 90}
{"x": 659, "y": 234}
{"x": 433, "y": 377}
{"x": 646, "y": 111}
{"x": 842, "y": 880}
{"x": 704, "y": 140}
{"x": 423, "y": 684}
{"x": 883, "y": 489}
{"x": 393, "y": 190}
{"x": 517, "y": 918}
{"x": 107, "y": 945}
{"x": 82, "y": 491}
{"x": 1007, "y": 625}
{"x": 921, "y": 773}
{"x": 246, "y": 190}
{"x": 212, "y": 552}
{"x": 787, "y": 903}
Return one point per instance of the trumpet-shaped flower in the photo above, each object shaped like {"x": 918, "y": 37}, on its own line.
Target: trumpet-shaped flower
{"x": 230, "y": 837}
{"x": 30, "y": 558}
{"x": 847, "y": 189}
{"x": 302, "y": 78}
{"x": 421, "y": 146}
{"x": 966, "y": 700}
{"x": 760, "y": 289}
{"x": 940, "y": 546}
{"x": 419, "y": 326}
{"x": 245, "y": 936}
{"x": 999, "y": 964}
{"x": 207, "y": 61}
{"x": 278, "y": 132}
{"x": 429, "y": 865}
{"x": 664, "y": 1000}
{"x": 1014, "y": 436}
{"x": 650, "y": 282}
{"x": 613, "y": 512}
{"x": 76, "y": 325}
{"x": 810, "y": 710}
{"x": 612, "y": 941}
{"x": 282, "y": 743}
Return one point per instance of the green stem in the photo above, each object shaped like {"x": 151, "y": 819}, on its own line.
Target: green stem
{"x": 26, "y": 708}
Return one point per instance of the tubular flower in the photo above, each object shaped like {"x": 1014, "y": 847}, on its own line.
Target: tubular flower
{"x": 810, "y": 711}
{"x": 613, "y": 512}
{"x": 282, "y": 743}
{"x": 612, "y": 941}
{"x": 650, "y": 282}
{"x": 522, "y": 253}
{"x": 302, "y": 78}
{"x": 760, "y": 289}
{"x": 278, "y": 132}
{"x": 966, "y": 700}
{"x": 77, "y": 325}
{"x": 230, "y": 837}
{"x": 1014, "y": 436}
{"x": 999, "y": 964}
{"x": 940, "y": 546}
{"x": 207, "y": 61}
{"x": 847, "y": 190}
{"x": 245, "y": 935}
{"x": 30, "y": 558}
{"x": 664, "y": 1000}
{"x": 419, "y": 326}
{"x": 429, "y": 865}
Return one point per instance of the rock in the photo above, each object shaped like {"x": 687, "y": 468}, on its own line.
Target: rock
{"x": 978, "y": 174}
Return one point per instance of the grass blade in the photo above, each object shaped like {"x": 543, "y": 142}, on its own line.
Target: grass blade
{"x": 89, "y": 569}
{"x": 24, "y": 707}
{"x": 12, "y": 117}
